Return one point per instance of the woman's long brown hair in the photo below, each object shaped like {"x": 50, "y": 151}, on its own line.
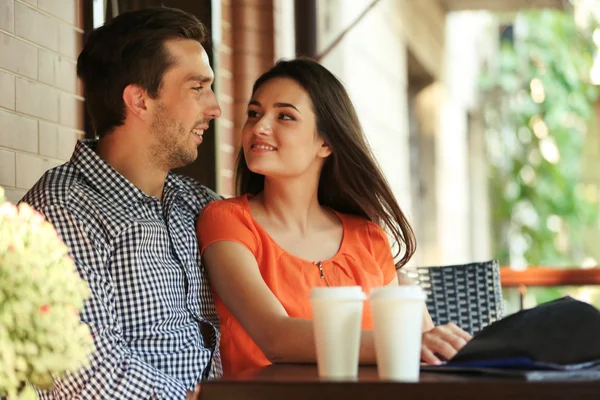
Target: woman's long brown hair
{"x": 351, "y": 181}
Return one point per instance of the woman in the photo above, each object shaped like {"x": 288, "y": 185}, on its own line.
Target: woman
{"x": 312, "y": 211}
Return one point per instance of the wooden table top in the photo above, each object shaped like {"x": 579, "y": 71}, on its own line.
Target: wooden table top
{"x": 295, "y": 382}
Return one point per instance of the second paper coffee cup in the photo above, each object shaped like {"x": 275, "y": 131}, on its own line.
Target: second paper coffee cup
{"x": 397, "y": 322}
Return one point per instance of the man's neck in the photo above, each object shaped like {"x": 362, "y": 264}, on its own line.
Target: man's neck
{"x": 132, "y": 159}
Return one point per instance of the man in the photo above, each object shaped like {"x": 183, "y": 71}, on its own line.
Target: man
{"x": 129, "y": 221}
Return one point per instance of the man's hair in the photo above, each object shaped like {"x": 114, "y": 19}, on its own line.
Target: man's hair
{"x": 130, "y": 50}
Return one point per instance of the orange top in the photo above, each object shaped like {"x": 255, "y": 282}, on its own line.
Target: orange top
{"x": 364, "y": 258}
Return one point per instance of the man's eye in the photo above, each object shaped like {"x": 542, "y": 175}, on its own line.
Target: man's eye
{"x": 252, "y": 114}
{"x": 198, "y": 88}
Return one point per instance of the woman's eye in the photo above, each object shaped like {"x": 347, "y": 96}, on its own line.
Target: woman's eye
{"x": 252, "y": 114}
{"x": 286, "y": 117}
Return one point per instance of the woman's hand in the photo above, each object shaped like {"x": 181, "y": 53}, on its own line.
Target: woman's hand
{"x": 442, "y": 343}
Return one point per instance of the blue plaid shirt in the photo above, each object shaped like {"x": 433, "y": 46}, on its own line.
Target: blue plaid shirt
{"x": 140, "y": 258}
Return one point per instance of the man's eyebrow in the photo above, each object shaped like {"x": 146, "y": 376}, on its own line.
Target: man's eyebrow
{"x": 277, "y": 105}
{"x": 199, "y": 78}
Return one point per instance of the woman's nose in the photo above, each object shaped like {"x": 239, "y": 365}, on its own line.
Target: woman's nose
{"x": 262, "y": 126}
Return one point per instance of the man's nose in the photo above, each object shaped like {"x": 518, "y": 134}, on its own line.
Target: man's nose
{"x": 213, "y": 110}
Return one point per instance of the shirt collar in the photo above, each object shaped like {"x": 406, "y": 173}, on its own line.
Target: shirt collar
{"x": 103, "y": 178}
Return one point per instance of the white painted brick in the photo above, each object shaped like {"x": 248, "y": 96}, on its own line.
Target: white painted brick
{"x": 70, "y": 111}
{"x": 30, "y": 169}
{"x": 14, "y": 195}
{"x": 36, "y": 27}
{"x": 46, "y": 65}
{"x": 69, "y": 41}
{"x": 56, "y": 70}
{"x": 18, "y": 132}
{"x": 7, "y": 168}
{"x": 66, "y": 75}
{"x": 63, "y": 9}
{"x": 37, "y": 99}
{"x": 22, "y": 57}
{"x": 67, "y": 139}
{"x": 7, "y": 90}
{"x": 7, "y": 13}
{"x": 48, "y": 134}
{"x": 56, "y": 141}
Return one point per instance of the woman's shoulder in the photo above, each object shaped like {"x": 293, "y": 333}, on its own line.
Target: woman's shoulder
{"x": 227, "y": 219}
{"x": 364, "y": 233}
{"x": 359, "y": 225}
{"x": 226, "y": 211}
{"x": 233, "y": 205}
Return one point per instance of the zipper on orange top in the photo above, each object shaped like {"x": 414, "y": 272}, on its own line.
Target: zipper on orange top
{"x": 320, "y": 265}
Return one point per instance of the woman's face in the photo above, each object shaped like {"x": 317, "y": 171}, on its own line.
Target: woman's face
{"x": 280, "y": 137}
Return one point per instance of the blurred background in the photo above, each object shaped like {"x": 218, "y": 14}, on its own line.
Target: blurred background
{"x": 482, "y": 113}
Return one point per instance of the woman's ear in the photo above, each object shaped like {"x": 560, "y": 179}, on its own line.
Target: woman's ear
{"x": 324, "y": 150}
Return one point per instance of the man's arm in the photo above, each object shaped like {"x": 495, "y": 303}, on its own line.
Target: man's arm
{"x": 114, "y": 372}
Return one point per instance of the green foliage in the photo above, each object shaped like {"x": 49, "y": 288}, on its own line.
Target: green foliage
{"x": 538, "y": 106}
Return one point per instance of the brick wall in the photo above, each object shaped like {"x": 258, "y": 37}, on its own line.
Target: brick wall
{"x": 41, "y": 108}
{"x": 245, "y": 51}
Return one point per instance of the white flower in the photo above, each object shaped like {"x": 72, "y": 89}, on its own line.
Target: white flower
{"x": 8, "y": 211}
{"x": 41, "y": 336}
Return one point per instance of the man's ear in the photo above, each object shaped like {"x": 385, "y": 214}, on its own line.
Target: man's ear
{"x": 136, "y": 101}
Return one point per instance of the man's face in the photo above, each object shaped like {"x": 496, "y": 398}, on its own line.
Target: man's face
{"x": 185, "y": 105}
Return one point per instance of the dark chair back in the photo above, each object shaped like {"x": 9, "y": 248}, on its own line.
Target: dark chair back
{"x": 469, "y": 295}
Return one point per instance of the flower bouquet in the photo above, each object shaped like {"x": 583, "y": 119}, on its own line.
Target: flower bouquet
{"x": 41, "y": 293}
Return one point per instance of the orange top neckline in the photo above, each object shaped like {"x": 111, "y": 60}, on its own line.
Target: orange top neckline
{"x": 246, "y": 202}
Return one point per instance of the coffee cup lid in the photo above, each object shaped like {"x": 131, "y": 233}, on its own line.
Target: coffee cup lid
{"x": 337, "y": 293}
{"x": 408, "y": 292}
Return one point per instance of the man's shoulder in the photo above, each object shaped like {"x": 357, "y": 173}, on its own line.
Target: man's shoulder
{"x": 55, "y": 187}
{"x": 199, "y": 193}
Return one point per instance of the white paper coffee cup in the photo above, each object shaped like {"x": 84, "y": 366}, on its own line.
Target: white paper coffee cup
{"x": 337, "y": 317}
{"x": 397, "y": 321}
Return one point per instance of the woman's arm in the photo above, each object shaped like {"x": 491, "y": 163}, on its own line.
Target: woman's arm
{"x": 235, "y": 276}
{"x": 234, "y": 273}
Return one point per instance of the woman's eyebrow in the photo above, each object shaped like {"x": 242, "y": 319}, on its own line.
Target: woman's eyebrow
{"x": 276, "y": 105}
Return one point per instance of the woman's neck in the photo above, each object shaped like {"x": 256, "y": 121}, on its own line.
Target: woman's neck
{"x": 291, "y": 204}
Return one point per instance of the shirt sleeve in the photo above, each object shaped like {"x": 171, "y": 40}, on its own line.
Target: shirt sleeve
{"x": 382, "y": 252}
{"x": 114, "y": 371}
{"x": 226, "y": 221}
